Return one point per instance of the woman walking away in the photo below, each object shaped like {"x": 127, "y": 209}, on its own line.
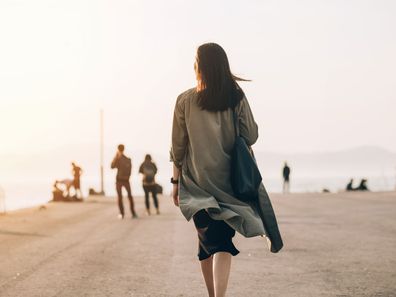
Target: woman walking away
{"x": 149, "y": 170}
{"x": 203, "y": 137}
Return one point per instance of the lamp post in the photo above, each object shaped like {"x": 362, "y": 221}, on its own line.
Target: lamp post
{"x": 101, "y": 154}
{"x": 395, "y": 178}
{"x": 2, "y": 201}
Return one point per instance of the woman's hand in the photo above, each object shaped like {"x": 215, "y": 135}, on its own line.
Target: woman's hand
{"x": 175, "y": 192}
{"x": 175, "y": 195}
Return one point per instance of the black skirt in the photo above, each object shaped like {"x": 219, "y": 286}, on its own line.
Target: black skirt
{"x": 214, "y": 236}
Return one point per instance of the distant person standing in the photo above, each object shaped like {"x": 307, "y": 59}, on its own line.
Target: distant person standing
{"x": 286, "y": 178}
{"x": 77, "y": 171}
{"x": 124, "y": 169}
{"x": 149, "y": 170}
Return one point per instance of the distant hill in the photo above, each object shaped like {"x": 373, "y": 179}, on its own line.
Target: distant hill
{"x": 55, "y": 164}
{"x": 366, "y": 161}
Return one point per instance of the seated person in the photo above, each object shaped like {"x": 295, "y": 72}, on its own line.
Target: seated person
{"x": 362, "y": 186}
{"x": 61, "y": 188}
{"x": 349, "y": 186}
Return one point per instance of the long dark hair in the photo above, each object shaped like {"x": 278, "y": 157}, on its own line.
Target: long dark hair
{"x": 220, "y": 89}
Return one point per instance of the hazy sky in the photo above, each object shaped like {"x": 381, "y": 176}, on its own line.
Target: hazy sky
{"x": 323, "y": 72}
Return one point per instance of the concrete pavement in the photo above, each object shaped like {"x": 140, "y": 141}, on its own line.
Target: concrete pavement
{"x": 335, "y": 245}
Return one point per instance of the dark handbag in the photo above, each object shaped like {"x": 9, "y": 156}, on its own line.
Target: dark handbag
{"x": 245, "y": 175}
{"x": 158, "y": 189}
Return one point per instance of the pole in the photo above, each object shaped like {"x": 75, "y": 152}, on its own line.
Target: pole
{"x": 101, "y": 153}
{"x": 395, "y": 178}
{"x": 2, "y": 200}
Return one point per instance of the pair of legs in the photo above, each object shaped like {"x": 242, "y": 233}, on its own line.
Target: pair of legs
{"x": 147, "y": 190}
{"x": 214, "y": 251}
{"x": 286, "y": 186}
{"x": 216, "y": 272}
{"x": 77, "y": 188}
{"x": 127, "y": 186}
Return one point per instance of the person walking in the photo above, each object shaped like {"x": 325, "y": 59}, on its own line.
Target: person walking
{"x": 123, "y": 164}
{"x": 149, "y": 170}
{"x": 286, "y": 178}
{"x": 203, "y": 136}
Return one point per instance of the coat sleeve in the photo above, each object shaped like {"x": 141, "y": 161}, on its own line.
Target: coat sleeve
{"x": 248, "y": 128}
{"x": 114, "y": 163}
{"x": 179, "y": 133}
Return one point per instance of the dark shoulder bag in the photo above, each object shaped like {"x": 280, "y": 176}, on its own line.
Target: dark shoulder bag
{"x": 245, "y": 175}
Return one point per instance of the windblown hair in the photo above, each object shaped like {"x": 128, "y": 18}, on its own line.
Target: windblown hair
{"x": 220, "y": 89}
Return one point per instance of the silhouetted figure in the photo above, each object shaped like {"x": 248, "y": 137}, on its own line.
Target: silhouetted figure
{"x": 362, "y": 186}
{"x": 349, "y": 186}
{"x": 286, "y": 178}
{"x": 149, "y": 170}
{"x": 77, "y": 171}
{"x": 66, "y": 184}
{"x": 124, "y": 169}
{"x": 92, "y": 192}
{"x": 57, "y": 192}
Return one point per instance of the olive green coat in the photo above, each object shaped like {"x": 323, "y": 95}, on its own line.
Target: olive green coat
{"x": 202, "y": 142}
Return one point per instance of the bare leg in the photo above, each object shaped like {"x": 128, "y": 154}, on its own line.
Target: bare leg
{"x": 221, "y": 272}
{"x": 68, "y": 191}
{"x": 207, "y": 272}
{"x": 80, "y": 194}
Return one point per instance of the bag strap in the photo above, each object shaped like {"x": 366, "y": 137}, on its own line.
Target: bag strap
{"x": 236, "y": 121}
{"x": 236, "y": 128}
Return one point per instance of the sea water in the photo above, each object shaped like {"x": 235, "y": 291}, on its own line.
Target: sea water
{"x": 24, "y": 193}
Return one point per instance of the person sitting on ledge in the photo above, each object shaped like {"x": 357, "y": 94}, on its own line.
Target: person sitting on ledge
{"x": 362, "y": 186}
{"x": 349, "y": 186}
